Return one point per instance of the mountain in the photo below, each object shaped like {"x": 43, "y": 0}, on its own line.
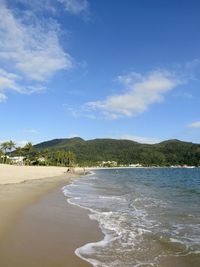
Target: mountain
{"x": 170, "y": 152}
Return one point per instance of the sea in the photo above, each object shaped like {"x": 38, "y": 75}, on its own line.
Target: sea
{"x": 149, "y": 216}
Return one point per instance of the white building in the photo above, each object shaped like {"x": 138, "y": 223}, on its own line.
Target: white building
{"x": 109, "y": 164}
{"x": 138, "y": 165}
{"x": 41, "y": 159}
{"x": 17, "y": 160}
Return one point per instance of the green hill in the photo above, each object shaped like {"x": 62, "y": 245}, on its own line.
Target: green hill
{"x": 171, "y": 152}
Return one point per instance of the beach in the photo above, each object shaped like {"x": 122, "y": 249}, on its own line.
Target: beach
{"x": 10, "y": 174}
{"x": 38, "y": 227}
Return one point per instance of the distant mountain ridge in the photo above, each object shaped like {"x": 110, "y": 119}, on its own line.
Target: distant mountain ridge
{"x": 89, "y": 152}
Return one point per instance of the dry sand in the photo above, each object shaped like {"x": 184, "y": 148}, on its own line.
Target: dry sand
{"x": 37, "y": 226}
{"x": 16, "y": 174}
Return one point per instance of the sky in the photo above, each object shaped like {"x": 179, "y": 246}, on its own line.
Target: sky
{"x": 99, "y": 69}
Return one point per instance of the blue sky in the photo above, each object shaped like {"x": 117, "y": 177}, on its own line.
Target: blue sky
{"x": 99, "y": 68}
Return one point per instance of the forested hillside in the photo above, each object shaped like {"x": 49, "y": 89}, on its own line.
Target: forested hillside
{"x": 90, "y": 152}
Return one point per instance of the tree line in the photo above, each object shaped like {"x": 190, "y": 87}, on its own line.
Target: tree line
{"x": 76, "y": 151}
{"x": 31, "y": 156}
{"x": 127, "y": 152}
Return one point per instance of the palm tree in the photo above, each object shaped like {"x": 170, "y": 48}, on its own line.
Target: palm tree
{"x": 28, "y": 148}
{"x": 1, "y": 155}
{"x": 11, "y": 145}
{"x": 18, "y": 151}
{"x": 45, "y": 154}
{"x": 5, "y": 146}
{"x": 70, "y": 158}
{"x": 58, "y": 157}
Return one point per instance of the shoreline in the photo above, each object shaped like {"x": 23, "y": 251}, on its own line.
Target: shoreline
{"x": 150, "y": 167}
{"x": 34, "y": 214}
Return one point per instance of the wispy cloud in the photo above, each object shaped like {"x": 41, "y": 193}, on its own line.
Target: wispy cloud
{"x": 141, "y": 91}
{"x": 30, "y": 131}
{"x": 79, "y": 111}
{"x": 38, "y": 6}
{"x": 187, "y": 95}
{"x": 141, "y": 139}
{"x": 21, "y": 143}
{"x": 75, "y": 7}
{"x": 8, "y": 81}
{"x": 192, "y": 65}
{"x": 30, "y": 48}
{"x": 12, "y": 82}
{"x": 195, "y": 124}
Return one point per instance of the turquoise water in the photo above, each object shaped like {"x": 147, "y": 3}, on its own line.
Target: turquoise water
{"x": 150, "y": 217}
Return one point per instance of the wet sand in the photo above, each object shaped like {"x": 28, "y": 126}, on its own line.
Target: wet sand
{"x": 38, "y": 228}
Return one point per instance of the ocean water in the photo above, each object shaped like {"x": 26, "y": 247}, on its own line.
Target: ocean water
{"x": 149, "y": 217}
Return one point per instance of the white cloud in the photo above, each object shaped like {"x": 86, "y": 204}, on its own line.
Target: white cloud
{"x": 7, "y": 79}
{"x": 2, "y": 97}
{"x": 141, "y": 139}
{"x": 38, "y": 6}
{"x": 30, "y": 48}
{"x": 75, "y": 7}
{"x": 79, "y": 111}
{"x": 33, "y": 49}
{"x": 195, "y": 124}
{"x": 11, "y": 81}
{"x": 7, "y": 82}
{"x": 141, "y": 92}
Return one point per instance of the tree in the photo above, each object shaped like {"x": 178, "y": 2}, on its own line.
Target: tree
{"x": 10, "y": 145}
{"x": 1, "y": 155}
{"x": 28, "y": 148}
{"x": 5, "y": 146}
{"x": 70, "y": 157}
{"x": 18, "y": 151}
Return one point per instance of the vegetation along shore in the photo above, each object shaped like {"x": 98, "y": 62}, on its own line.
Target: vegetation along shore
{"x": 72, "y": 152}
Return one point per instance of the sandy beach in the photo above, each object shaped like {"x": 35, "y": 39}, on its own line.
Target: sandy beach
{"x": 38, "y": 227}
{"x": 10, "y": 174}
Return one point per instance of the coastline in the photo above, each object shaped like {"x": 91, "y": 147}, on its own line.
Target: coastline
{"x": 142, "y": 167}
{"x": 38, "y": 227}
{"x": 129, "y": 207}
